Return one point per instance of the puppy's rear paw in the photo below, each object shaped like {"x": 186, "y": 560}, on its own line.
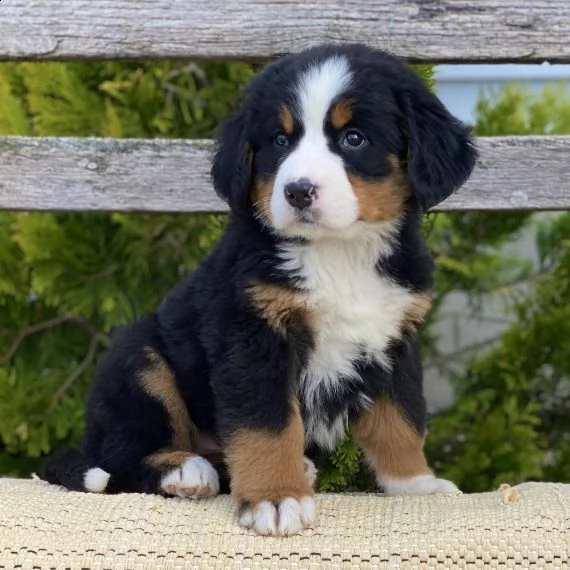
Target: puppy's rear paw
{"x": 281, "y": 518}
{"x": 419, "y": 485}
{"x": 195, "y": 478}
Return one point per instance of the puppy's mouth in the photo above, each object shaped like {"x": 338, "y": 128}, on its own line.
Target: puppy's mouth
{"x": 308, "y": 216}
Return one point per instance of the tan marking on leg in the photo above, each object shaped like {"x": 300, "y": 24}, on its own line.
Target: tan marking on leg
{"x": 279, "y": 306}
{"x": 381, "y": 200}
{"x": 159, "y": 383}
{"x": 167, "y": 458}
{"x": 286, "y": 120}
{"x": 416, "y": 312}
{"x": 341, "y": 114}
{"x": 164, "y": 461}
{"x": 260, "y": 196}
{"x": 268, "y": 467}
{"x": 390, "y": 443}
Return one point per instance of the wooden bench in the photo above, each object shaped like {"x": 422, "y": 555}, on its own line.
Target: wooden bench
{"x": 514, "y": 173}
{"x": 42, "y": 526}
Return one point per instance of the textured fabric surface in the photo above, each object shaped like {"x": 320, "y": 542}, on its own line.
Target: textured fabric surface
{"x": 43, "y": 526}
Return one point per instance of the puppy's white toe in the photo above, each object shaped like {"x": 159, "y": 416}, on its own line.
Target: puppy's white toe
{"x": 445, "y": 486}
{"x": 419, "y": 485}
{"x": 196, "y": 478}
{"x": 283, "y": 518}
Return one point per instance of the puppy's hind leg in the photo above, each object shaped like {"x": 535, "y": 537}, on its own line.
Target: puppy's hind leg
{"x": 139, "y": 430}
{"x": 177, "y": 468}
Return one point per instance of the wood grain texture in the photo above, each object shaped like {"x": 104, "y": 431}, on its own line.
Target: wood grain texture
{"x": 513, "y": 173}
{"x": 423, "y": 30}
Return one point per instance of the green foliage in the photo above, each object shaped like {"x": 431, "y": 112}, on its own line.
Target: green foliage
{"x": 344, "y": 470}
{"x": 515, "y": 111}
{"x": 116, "y": 99}
{"x": 14, "y": 118}
{"x": 511, "y": 422}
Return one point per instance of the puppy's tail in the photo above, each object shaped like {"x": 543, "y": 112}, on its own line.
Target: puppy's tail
{"x": 69, "y": 467}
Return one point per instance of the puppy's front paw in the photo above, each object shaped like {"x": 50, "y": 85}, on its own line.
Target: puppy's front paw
{"x": 419, "y": 485}
{"x": 195, "y": 478}
{"x": 279, "y": 518}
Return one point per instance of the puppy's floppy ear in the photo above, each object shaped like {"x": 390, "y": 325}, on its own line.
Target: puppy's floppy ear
{"x": 441, "y": 151}
{"x": 231, "y": 168}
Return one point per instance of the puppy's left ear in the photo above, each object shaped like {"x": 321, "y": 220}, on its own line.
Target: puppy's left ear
{"x": 231, "y": 169}
{"x": 441, "y": 152}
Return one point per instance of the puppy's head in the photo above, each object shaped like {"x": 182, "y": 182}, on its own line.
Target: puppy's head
{"x": 337, "y": 137}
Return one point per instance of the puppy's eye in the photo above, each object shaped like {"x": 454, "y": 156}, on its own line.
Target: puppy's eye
{"x": 353, "y": 139}
{"x": 281, "y": 139}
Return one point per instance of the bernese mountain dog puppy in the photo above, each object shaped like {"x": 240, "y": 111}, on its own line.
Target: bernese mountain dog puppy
{"x": 302, "y": 324}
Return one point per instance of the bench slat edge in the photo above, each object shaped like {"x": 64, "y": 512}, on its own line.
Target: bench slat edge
{"x": 91, "y": 174}
{"x": 443, "y": 31}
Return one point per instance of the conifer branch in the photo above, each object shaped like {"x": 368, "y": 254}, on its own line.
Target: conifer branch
{"x": 32, "y": 329}
{"x": 87, "y": 360}
{"x": 45, "y": 325}
{"x": 107, "y": 272}
{"x": 444, "y": 359}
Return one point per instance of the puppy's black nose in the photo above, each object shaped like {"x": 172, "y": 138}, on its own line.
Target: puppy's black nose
{"x": 300, "y": 194}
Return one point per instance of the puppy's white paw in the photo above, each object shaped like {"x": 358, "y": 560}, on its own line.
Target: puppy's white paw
{"x": 195, "y": 478}
{"x": 419, "y": 485}
{"x": 311, "y": 471}
{"x": 283, "y": 518}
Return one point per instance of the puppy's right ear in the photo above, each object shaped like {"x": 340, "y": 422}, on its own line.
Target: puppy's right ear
{"x": 441, "y": 153}
{"x": 231, "y": 169}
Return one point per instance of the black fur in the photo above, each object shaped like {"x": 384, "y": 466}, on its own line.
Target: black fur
{"x": 232, "y": 369}
{"x": 441, "y": 155}
{"x": 231, "y": 170}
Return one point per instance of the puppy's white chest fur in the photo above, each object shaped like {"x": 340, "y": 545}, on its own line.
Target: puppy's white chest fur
{"x": 355, "y": 312}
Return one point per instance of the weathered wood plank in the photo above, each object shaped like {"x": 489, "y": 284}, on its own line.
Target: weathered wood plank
{"x": 423, "y": 30}
{"x": 526, "y": 173}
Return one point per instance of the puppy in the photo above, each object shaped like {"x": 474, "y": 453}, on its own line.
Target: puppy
{"x": 302, "y": 323}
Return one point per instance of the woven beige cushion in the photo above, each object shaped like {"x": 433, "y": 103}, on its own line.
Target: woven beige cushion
{"x": 42, "y": 526}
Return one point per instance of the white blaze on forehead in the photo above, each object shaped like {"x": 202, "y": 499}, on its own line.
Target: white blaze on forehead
{"x": 318, "y": 87}
{"x": 316, "y": 90}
